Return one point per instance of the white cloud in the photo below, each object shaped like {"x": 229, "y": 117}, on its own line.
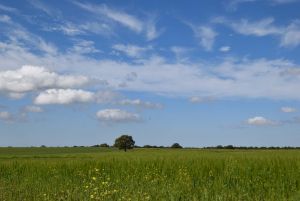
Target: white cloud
{"x": 205, "y": 35}
{"x": 84, "y": 47}
{"x": 52, "y": 12}
{"x": 63, "y": 96}
{"x": 262, "y": 27}
{"x": 230, "y": 77}
{"x": 289, "y": 35}
{"x": 8, "y": 9}
{"x": 19, "y": 35}
{"x": 279, "y": 2}
{"x": 131, "y": 50}
{"x": 151, "y": 30}
{"x": 234, "y": 4}
{"x": 146, "y": 26}
{"x": 106, "y": 96}
{"x": 260, "y": 121}
{"x": 117, "y": 115}
{"x": 33, "y": 108}
{"x": 288, "y": 109}
{"x": 198, "y": 99}
{"x": 5, "y": 19}
{"x": 32, "y": 78}
{"x": 224, "y": 49}
{"x": 82, "y": 28}
{"x": 121, "y": 17}
{"x": 6, "y": 116}
{"x": 141, "y": 104}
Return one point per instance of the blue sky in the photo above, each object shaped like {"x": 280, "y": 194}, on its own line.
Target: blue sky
{"x": 201, "y": 73}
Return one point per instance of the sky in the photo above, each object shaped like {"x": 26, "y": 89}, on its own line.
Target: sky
{"x": 200, "y": 73}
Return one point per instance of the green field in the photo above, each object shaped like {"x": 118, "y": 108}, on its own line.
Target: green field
{"x": 148, "y": 174}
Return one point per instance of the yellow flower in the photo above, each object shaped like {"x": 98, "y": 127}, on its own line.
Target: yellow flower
{"x": 94, "y": 178}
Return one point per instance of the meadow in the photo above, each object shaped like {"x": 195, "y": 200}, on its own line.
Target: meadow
{"x": 37, "y": 174}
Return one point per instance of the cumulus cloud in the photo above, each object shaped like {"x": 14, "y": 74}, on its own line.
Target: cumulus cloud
{"x": 63, "y": 96}
{"x": 141, "y": 104}
{"x": 31, "y": 78}
{"x": 260, "y": 121}
{"x": 288, "y": 109}
{"x": 230, "y": 77}
{"x": 117, "y": 115}
{"x": 205, "y": 35}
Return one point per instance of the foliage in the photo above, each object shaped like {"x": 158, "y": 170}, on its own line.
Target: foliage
{"x": 104, "y": 145}
{"x": 176, "y": 145}
{"x": 124, "y": 142}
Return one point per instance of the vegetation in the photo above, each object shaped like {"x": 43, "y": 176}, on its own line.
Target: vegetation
{"x": 93, "y": 173}
{"x": 124, "y": 142}
{"x": 176, "y": 145}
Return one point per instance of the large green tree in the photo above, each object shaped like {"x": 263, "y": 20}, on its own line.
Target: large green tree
{"x": 124, "y": 142}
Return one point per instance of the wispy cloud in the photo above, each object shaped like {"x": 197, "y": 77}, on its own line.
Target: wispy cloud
{"x": 146, "y": 26}
{"x": 289, "y": 35}
{"x": 288, "y": 109}
{"x": 84, "y": 47}
{"x": 140, "y": 104}
{"x": 32, "y": 109}
{"x": 8, "y": 9}
{"x": 201, "y": 99}
{"x": 52, "y": 12}
{"x": 131, "y": 50}
{"x": 225, "y": 49}
{"x": 233, "y": 4}
{"x": 6, "y": 116}
{"x": 205, "y": 35}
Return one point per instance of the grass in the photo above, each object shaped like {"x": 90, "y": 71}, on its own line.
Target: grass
{"x": 37, "y": 174}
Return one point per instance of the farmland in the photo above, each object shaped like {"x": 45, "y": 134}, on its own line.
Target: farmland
{"x": 82, "y": 173}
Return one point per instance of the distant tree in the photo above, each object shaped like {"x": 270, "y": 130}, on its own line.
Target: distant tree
{"x": 229, "y": 147}
{"x": 124, "y": 142}
{"x": 147, "y": 146}
{"x": 176, "y": 145}
{"x": 96, "y": 145}
{"x": 104, "y": 145}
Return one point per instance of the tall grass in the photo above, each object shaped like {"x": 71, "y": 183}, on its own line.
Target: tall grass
{"x": 148, "y": 174}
